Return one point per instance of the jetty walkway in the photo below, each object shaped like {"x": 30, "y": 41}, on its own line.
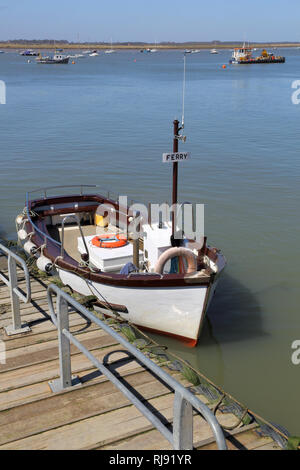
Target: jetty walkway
{"x": 36, "y": 412}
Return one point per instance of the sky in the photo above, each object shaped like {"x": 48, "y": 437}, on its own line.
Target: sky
{"x": 150, "y": 21}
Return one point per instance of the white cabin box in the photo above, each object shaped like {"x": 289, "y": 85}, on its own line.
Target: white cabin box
{"x": 156, "y": 241}
{"x": 108, "y": 259}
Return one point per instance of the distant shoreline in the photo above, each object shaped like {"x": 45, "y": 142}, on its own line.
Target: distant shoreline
{"x": 135, "y": 46}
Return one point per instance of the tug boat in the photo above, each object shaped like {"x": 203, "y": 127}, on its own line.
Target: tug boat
{"x": 57, "y": 58}
{"x": 159, "y": 281}
{"x": 243, "y": 55}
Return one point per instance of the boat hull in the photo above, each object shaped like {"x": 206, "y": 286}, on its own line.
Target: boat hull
{"x": 280, "y": 60}
{"x": 176, "y": 312}
{"x": 51, "y": 61}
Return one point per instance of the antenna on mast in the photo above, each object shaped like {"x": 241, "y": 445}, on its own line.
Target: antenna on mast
{"x": 183, "y": 137}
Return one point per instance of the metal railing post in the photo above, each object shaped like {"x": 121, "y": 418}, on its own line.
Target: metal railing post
{"x": 182, "y": 423}
{"x": 64, "y": 344}
{"x": 15, "y": 293}
{"x": 15, "y": 302}
{"x": 65, "y": 380}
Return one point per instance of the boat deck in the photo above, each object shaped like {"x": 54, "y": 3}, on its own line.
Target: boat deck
{"x": 94, "y": 415}
{"x": 72, "y": 233}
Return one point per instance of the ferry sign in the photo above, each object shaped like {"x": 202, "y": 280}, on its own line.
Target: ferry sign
{"x": 176, "y": 157}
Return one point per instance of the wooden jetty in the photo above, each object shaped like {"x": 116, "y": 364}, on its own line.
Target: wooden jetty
{"x": 94, "y": 415}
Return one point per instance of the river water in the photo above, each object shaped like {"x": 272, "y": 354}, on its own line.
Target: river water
{"x": 107, "y": 120}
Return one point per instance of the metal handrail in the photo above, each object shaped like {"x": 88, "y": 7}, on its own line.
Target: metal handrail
{"x": 182, "y": 436}
{"x": 76, "y": 218}
{"x": 15, "y": 293}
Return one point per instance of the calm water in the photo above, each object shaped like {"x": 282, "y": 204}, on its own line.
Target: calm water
{"x": 107, "y": 120}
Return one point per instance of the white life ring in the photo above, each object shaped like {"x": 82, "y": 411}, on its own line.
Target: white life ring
{"x": 172, "y": 253}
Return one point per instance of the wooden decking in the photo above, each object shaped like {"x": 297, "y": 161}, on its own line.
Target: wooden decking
{"x": 94, "y": 415}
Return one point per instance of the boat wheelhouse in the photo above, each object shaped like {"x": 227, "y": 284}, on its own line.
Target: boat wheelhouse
{"x": 241, "y": 54}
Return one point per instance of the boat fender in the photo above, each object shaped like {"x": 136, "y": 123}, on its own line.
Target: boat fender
{"x": 22, "y": 234}
{"x": 19, "y": 219}
{"x": 44, "y": 264}
{"x": 30, "y": 248}
{"x": 172, "y": 253}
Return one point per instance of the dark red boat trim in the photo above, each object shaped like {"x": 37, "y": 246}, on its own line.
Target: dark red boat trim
{"x": 189, "y": 342}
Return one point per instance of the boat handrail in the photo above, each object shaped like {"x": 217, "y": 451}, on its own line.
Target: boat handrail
{"x": 76, "y": 218}
{"x": 37, "y": 229}
{"x": 181, "y": 436}
{"x": 48, "y": 188}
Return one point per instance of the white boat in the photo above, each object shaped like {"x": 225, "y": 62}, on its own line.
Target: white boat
{"x": 159, "y": 282}
{"x": 241, "y": 54}
{"x": 76, "y": 56}
{"x": 1, "y": 52}
{"x": 29, "y": 52}
{"x": 111, "y": 50}
{"x": 214, "y": 51}
{"x": 94, "y": 54}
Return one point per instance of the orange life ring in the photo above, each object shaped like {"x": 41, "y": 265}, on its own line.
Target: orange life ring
{"x": 109, "y": 241}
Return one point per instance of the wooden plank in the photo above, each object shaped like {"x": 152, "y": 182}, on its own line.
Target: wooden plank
{"x": 35, "y": 288}
{"x": 40, "y": 324}
{"x": 104, "y": 429}
{"x": 40, "y": 294}
{"x": 242, "y": 441}
{"x": 67, "y": 408}
{"x": 92, "y": 432}
{"x": 45, "y": 352}
{"x": 155, "y": 441}
{"x": 35, "y": 285}
{"x": 270, "y": 446}
{"x": 30, "y": 339}
{"x": 25, "y": 309}
{"x": 41, "y": 372}
{"x": 30, "y": 393}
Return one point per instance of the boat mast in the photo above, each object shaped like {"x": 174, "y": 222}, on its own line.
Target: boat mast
{"x": 177, "y": 137}
{"x": 175, "y": 174}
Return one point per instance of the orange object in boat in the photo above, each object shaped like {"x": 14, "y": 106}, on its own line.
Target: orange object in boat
{"x": 109, "y": 241}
